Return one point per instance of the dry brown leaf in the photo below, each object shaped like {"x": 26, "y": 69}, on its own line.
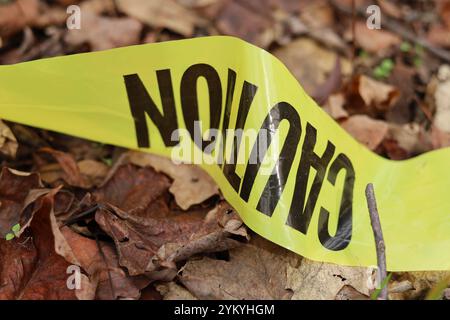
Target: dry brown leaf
{"x": 8, "y": 142}
{"x": 132, "y": 188}
{"x": 335, "y": 106}
{"x": 410, "y": 137}
{"x": 239, "y": 20}
{"x": 402, "y": 78}
{"x": 366, "y": 130}
{"x": 349, "y": 293}
{"x": 30, "y": 269}
{"x": 15, "y": 198}
{"x": 93, "y": 171}
{"x": 376, "y": 93}
{"x": 322, "y": 281}
{"x": 374, "y": 40}
{"x": 162, "y": 14}
{"x": 103, "y": 33}
{"x": 254, "y": 271}
{"x": 100, "y": 266}
{"x": 151, "y": 241}
{"x": 69, "y": 167}
{"x": 17, "y": 15}
{"x": 310, "y": 63}
{"x": 191, "y": 185}
{"x": 368, "y": 96}
{"x": 439, "y": 35}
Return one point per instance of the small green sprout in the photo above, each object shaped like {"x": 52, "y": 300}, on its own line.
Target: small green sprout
{"x": 14, "y": 232}
{"x": 405, "y": 46}
{"x": 384, "y": 69}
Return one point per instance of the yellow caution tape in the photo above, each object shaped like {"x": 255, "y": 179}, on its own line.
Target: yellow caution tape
{"x": 303, "y": 190}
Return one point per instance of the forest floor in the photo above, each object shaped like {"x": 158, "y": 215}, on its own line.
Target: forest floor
{"x": 136, "y": 223}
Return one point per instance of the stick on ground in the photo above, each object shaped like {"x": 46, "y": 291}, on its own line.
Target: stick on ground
{"x": 379, "y": 240}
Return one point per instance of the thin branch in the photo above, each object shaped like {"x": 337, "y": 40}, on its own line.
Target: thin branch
{"x": 379, "y": 240}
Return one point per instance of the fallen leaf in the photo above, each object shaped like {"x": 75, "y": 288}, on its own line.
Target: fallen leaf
{"x": 252, "y": 272}
{"x": 103, "y": 33}
{"x": 335, "y": 106}
{"x": 162, "y": 14}
{"x": 402, "y": 78}
{"x": 391, "y": 9}
{"x": 101, "y": 263}
{"x": 191, "y": 185}
{"x": 70, "y": 170}
{"x": 8, "y": 142}
{"x": 366, "y": 130}
{"x": 374, "y": 40}
{"x": 349, "y": 293}
{"x": 310, "y": 63}
{"x": 15, "y": 200}
{"x": 30, "y": 269}
{"x": 368, "y": 96}
{"x": 150, "y": 241}
{"x": 239, "y": 20}
{"x": 132, "y": 188}
{"x": 439, "y": 35}
{"x": 16, "y": 15}
{"x": 322, "y": 281}
{"x": 331, "y": 85}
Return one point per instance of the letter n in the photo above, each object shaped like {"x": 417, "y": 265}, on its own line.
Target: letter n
{"x": 141, "y": 104}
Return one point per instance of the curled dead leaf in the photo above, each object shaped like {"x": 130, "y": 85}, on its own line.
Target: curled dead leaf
{"x": 191, "y": 185}
{"x": 365, "y": 95}
{"x": 8, "y": 142}
{"x": 30, "y": 268}
{"x": 15, "y": 198}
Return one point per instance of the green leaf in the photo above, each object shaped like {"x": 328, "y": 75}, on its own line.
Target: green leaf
{"x": 379, "y": 73}
{"x": 10, "y": 236}
{"x": 405, "y": 46}
{"x": 387, "y": 65}
{"x": 16, "y": 228}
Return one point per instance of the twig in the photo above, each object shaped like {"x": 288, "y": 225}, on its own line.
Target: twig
{"x": 400, "y": 30}
{"x": 379, "y": 240}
